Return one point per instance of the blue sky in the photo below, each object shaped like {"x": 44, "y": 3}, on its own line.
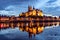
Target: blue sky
{"x": 15, "y": 7}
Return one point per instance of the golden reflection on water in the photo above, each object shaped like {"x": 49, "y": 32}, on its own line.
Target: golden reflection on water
{"x": 31, "y": 28}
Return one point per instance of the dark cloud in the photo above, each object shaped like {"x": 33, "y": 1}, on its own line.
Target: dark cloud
{"x": 51, "y": 1}
{"x": 23, "y": 5}
{"x": 4, "y": 3}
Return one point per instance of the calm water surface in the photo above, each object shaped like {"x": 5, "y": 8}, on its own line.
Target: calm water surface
{"x": 30, "y": 31}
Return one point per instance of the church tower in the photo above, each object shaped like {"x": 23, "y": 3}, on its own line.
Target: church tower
{"x": 29, "y": 8}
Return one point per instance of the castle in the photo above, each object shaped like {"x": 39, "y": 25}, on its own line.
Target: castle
{"x": 32, "y": 12}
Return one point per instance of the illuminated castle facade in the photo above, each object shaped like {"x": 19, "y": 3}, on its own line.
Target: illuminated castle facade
{"x": 31, "y": 15}
{"x": 32, "y": 12}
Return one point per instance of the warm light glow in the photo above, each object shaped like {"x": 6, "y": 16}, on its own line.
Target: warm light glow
{"x": 30, "y": 30}
{"x": 30, "y": 13}
{"x": 21, "y": 29}
{"x": 18, "y": 24}
{"x": 20, "y": 14}
{"x": 12, "y": 25}
{"x": 40, "y": 29}
{"x": 26, "y": 24}
{"x": 40, "y": 13}
{"x": 34, "y": 31}
{"x": 27, "y": 28}
{"x": 26, "y": 14}
{"x": 34, "y": 12}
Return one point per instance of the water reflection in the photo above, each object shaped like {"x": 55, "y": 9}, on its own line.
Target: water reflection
{"x": 32, "y": 28}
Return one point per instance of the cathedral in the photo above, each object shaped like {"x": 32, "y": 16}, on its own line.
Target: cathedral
{"x": 32, "y": 12}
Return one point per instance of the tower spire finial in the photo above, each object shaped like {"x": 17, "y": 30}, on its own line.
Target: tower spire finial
{"x": 33, "y": 7}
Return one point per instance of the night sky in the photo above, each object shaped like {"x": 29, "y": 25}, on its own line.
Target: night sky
{"x": 15, "y": 7}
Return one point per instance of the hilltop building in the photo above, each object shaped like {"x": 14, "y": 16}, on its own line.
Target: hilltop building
{"x": 32, "y": 12}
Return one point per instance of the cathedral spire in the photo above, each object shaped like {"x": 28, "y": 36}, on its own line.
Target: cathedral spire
{"x": 29, "y": 8}
{"x": 33, "y": 7}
